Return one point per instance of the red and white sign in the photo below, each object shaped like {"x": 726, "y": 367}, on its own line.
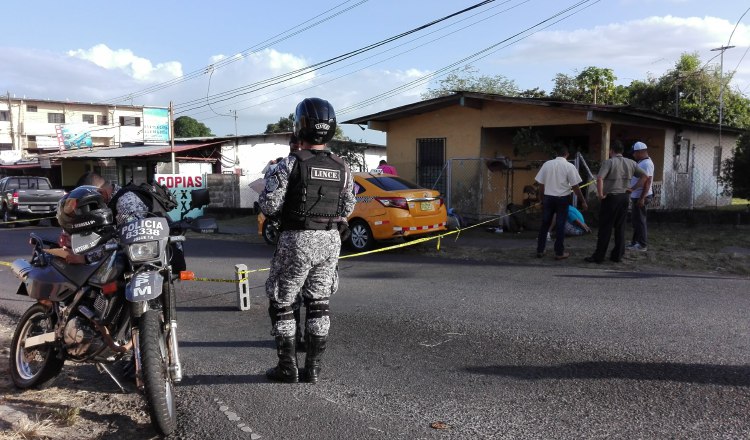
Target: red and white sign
{"x": 181, "y": 180}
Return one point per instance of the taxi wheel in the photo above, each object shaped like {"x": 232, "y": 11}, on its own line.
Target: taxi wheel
{"x": 361, "y": 238}
{"x": 270, "y": 233}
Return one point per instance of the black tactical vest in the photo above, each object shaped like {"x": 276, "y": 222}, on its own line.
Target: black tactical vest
{"x": 157, "y": 198}
{"x": 313, "y": 198}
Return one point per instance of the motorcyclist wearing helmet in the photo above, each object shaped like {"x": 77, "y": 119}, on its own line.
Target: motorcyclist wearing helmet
{"x": 83, "y": 210}
{"x": 311, "y": 192}
{"x": 128, "y": 207}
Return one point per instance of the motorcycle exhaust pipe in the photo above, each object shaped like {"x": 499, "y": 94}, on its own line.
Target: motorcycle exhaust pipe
{"x": 21, "y": 269}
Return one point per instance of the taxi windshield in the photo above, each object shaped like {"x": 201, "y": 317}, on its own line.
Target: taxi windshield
{"x": 388, "y": 183}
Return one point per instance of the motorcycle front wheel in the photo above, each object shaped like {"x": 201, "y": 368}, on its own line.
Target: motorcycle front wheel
{"x": 35, "y": 366}
{"x": 159, "y": 388}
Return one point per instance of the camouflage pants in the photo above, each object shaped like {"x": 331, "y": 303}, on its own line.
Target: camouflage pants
{"x": 305, "y": 262}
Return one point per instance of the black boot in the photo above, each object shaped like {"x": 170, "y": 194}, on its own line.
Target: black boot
{"x": 286, "y": 371}
{"x": 316, "y": 345}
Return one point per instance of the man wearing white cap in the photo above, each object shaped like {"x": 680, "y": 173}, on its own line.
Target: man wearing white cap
{"x": 641, "y": 194}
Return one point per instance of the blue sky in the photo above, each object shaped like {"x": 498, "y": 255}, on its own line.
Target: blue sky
{"x": 85, "y": 52}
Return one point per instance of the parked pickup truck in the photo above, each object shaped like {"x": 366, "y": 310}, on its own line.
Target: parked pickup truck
{"x": 27, "y": 197}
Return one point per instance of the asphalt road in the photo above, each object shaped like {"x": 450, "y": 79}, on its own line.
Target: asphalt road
{"x": 491, "y": 350}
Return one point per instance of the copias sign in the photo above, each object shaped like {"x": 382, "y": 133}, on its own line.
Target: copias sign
{"x": 180, "y": 185}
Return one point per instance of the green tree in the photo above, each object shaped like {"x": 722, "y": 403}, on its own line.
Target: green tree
{"x": 285, "y": 125}
{"x": 536, "y": 92}
{"x": 567, "y": 89}
{"x": 691, "y": 91}
{"x": 736, "y": 170}
{"x": 353, "y": 153}
{"x": 466, "y": 80}
{"x": 594, "y": 85}
{"x": 185, "y": 127}
{"x": 597, "y": 82}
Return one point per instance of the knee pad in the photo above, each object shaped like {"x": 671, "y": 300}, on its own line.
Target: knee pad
{"x": 280, "y": 313}
{"x": 316, "y": 308}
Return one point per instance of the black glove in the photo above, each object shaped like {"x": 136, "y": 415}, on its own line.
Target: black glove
{"x": 344, "y": 231}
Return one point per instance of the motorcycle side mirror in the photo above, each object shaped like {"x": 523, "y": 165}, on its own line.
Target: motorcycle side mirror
{"x": 199, "y": 198}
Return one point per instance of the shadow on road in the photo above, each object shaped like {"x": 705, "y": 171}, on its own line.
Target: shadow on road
{"x": 235, "y": 344}
{"x": 225, "y": 379}
{"x": 642, "y": 275}
{"x": 732, "y": 375}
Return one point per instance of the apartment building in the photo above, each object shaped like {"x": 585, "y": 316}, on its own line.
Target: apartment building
{"x": 35, "y": 126}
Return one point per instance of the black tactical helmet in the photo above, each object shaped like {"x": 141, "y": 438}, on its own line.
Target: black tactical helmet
{"x": 315, "y": 121}
{"x": 83, "y": 210}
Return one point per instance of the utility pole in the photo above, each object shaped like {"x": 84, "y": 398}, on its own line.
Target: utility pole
{"x": 171, "y": 134}
{"x": 721, "y": 87}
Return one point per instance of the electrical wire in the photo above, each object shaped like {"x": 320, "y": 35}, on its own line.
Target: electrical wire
{"x": 371, "y": 57}
{"x": 475, "y": 56}
{"x": 571, "y": 10}
{"x": 282, "y": 36}
{"x": 230, "y": 94}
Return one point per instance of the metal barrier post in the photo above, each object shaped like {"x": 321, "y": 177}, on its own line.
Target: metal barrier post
{"x": 243, "y": 287}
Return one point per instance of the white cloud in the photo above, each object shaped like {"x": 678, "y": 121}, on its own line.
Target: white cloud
{"x": 139, "y": 68}
{"x": 632, "y": 49}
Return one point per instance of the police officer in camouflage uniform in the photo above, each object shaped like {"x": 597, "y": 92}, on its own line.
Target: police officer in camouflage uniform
{"x": 310, "y": 193}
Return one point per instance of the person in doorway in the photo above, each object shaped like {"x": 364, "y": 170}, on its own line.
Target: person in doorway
{"x": 311, "y": 193}
{"x": 387, "y": 169}
{"x": 611, "y": 187}
{"x": 641, "y": 195}
{"x": 557, "y": 179}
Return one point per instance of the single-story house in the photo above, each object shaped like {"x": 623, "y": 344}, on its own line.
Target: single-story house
{"x": 474, "y": 147}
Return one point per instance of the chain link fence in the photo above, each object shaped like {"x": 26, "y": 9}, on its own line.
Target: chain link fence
{"x": 482, "y": 188}
{"x": 693, "y": 182}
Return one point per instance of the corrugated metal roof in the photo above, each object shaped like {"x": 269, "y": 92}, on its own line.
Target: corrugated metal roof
{"x": 118, "y": 152}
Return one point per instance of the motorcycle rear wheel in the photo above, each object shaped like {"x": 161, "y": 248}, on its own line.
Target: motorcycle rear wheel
{"x": 35, "y": 367}
{"x": 159, "y": 388}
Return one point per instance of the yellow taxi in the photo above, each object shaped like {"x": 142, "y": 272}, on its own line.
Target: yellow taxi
{"x": 388, "y": 207}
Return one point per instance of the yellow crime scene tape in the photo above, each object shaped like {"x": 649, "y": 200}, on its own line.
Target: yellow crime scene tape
{"x": 27, "y": 220}
{"x": 190, "y": 276}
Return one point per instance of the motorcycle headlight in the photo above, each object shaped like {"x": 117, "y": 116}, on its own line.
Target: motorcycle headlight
{"x": 144, "y": 251}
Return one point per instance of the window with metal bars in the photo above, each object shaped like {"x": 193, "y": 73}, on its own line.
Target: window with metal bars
{"x": 431, "y": 163}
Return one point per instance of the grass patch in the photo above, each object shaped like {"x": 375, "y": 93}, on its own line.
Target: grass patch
{"x": 66, "y": 416}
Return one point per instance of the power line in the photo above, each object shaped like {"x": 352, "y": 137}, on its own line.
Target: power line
{"x": 380, "y": 53}
{"x": 230, "y": 94}
{"x": 570, "y": 11}
{"x": 484, "y": 53}
{"x": 299, "y": 28}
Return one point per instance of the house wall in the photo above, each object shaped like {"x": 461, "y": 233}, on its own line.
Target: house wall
{"x": 32, "y": 129}
{"x": 689, "y": 180}
{"x": 487, "y": 133}
{"x": 373, "y": 156}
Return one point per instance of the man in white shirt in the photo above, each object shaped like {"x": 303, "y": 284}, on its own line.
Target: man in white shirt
{"x": 557, "y": 178}
{"x": 640, "y": 196}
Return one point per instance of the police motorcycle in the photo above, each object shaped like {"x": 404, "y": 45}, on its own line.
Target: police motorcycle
{"x": 122, "y": 304}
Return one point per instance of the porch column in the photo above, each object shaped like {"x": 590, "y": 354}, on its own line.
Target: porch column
{"x": 606, "y": 126}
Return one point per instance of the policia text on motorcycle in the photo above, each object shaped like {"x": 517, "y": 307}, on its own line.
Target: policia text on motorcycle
{"x": 310, "y": 193}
